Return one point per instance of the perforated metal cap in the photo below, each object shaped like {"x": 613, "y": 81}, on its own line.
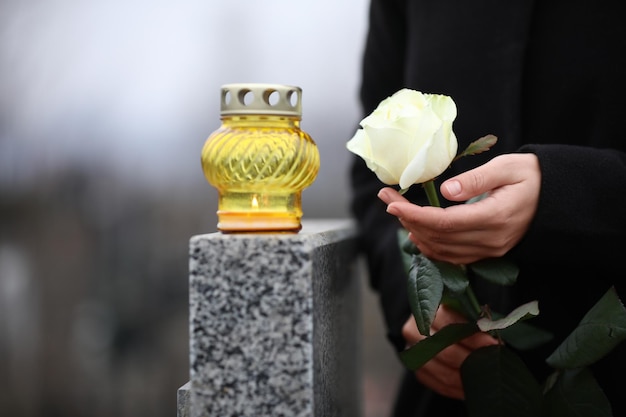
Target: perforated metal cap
{"x": 254, "y": 98}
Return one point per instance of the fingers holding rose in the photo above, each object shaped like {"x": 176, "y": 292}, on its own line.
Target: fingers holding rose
{"x": 442, "y": 374}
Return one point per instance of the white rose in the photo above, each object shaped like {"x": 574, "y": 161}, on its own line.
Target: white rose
{"x": 408, "y": 138}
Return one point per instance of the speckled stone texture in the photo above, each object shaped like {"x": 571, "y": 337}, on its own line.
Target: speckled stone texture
{"x": 182, "y": 400}
{"x": 274, "y": 323}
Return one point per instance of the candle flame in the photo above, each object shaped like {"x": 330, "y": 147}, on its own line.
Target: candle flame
{"x": 255, "y": 203}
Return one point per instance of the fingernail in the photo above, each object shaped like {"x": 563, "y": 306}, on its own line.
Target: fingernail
{"x": 453, "y": 187}
{"x": 391, "y": 209}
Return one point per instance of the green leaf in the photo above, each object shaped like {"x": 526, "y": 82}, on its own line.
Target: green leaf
{"x": 453, "y": 301}
{"x": 602, "y": 328}
{"x": 499, "y": 271}
{"x": 576, "y": 393}
{"x": 461, "y": 303}
{"x": 524, "y": 336}
{"x": 407, "y": 257}
{"x": 522, "y": 312}
{"x": 454, "y": 276}
{"x": 497, "y": 383}
{"x": 406, "y": 244}
{"x": 423, "y": 351}
{"x": 479, "y": 146}
{"x": 425, "y": 288}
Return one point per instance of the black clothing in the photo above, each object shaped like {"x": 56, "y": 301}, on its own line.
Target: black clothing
{"x": 547, "y": 77}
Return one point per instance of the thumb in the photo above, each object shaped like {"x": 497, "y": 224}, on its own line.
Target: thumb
{"x": 475, "y": 182}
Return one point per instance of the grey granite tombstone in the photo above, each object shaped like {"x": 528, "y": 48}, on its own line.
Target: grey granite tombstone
{"x": 274, "y": 324}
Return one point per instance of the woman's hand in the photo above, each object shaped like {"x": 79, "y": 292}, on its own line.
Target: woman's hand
{"x": 465, "y": 233}
{"x": 442, "y": 373}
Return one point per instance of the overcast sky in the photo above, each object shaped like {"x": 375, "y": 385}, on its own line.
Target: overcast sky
{"x": 134, "y": 84}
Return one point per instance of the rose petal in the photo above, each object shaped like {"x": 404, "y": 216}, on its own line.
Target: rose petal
{"x": 360, "y": 145}
{"x": 414, "y": 172}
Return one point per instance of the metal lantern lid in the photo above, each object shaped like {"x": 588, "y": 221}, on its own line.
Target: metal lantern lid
{"x": 261, "y": 99}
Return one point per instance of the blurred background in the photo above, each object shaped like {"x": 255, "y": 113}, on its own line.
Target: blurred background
{"x": 104, "y": 108}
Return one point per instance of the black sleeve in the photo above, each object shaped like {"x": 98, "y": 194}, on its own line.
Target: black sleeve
{"x": 581, "y": 216}
{"x": 384, "y": 57}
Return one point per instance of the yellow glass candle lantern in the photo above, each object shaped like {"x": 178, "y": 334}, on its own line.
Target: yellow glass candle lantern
{"x": 259, "y": 159}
